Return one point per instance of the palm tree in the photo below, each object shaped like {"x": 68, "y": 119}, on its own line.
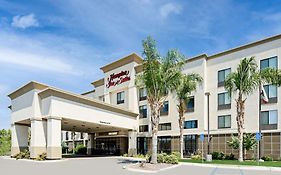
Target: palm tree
{"x": 243, "y": 83}
{"x": 160, "y": 74}
{"x": 186, "y": 85}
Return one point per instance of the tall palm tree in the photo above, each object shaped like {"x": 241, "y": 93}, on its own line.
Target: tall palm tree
{"x": 186, "y": 85}
{"x": 243, "y": 82}
{"x": 159, "y": 76}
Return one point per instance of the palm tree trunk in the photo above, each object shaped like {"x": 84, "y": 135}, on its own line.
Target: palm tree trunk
{"x": 240, "y": 124}
{"x": 155, "y": 113}
{"x": 181, "y": 120}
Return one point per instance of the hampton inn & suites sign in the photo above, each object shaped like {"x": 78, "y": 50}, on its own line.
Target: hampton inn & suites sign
{"x": 119, "y": 78}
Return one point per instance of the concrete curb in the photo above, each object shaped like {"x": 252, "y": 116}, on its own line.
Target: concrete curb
{"x": 152, "y": 171}
{"x": 241, "y": 167}
{"x": 35, "y": 161}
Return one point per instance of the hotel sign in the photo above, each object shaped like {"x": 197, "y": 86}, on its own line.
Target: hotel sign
{"x": 119, "y": 78}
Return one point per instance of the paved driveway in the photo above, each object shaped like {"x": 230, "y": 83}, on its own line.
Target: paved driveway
{"x": 108, "y": 166}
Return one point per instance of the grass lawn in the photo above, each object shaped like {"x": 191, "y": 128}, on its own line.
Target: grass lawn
{"x": 236, "y": 162}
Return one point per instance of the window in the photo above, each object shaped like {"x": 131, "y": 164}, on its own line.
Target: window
{"x": 222, "y": 74}
{"x": 164, "y": 126}
{"x": 143, "y": 128}
{"x": 142, "y": 145}
{"x": 271, "y": 92}
{"x": 190, "y": 144}
{"x": 190, "y": 104}
{"x": 143, "y": 111}
{"x": 165, "y": 108}
{"x": 81, "y": 135}
{"x": 142, "y": 94}
{"x": 224, "y": 101}
{"x": 120, "y": 97}
{"x": 190, "y": 124}
{"x": 224, "y": 121}
{"x": 269, "y": 117}
{"x": 269, "y": 63}
{"x": 66, "y": 136}
{"x": 164, "y": 144}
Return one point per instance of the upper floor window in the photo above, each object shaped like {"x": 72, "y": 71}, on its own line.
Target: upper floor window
{"x": 269, "y": 63}
{"x": 143, "y": 111}
{"x": 142, "y": 94}
{"x": 143, "y": 128}
{"x": 222, "y": 74}
{"x": 120, "y": 97}
{"x": 271, "y": 92}
{"x": 224, "y": 121}
{"x": 165, "y": 108}
{"x": 190, "y": 124}
{"x": 164, "y": 126}
{"x": 269, "y": 118}
{"x": 224, "y": 101}
{"x": 190, "y": 104}
{"x": 81, "y": 135}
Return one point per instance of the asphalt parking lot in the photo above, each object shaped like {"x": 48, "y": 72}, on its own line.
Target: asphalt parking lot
{"x": 112, "y": 166}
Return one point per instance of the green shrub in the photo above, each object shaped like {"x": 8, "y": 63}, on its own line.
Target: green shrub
{"x": 171, "y": 159}
{"x": 80, "y": 149}
{"x": 23, "y": 155}
{"x": 267, "y": 158}
{"x": 218, "y": 155}
{"x": 140, "y": 156}
{"x": 177, "y": 154}
{"x": 41, "y": 157}
{"x": 196, "y": 157}
{"x": 161, "y": 157}
{"x": 168, "y": 158}
{"x": 230, "y": 157}
{"x": 125, "y": 155}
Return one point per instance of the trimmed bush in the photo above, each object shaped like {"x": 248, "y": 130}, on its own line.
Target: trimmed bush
{"x": 267, "y": 158}
{"x": 80, "y": 149}
{"x": 177, "y": 154}
{"x": 168, "y": 158}
{"x": 230, "y": 157}
{"x": 196, "y": 157}
{"x": 161, "y": 157}
{"x": 218, "y": 155}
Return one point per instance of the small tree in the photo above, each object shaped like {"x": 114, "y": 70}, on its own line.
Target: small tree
{"x": 5, "y": 142}
{"x": 185, "y": 86}
{"x": 249, "y": 143}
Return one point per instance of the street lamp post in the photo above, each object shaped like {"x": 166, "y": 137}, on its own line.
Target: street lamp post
{"x": 208, "y": 119}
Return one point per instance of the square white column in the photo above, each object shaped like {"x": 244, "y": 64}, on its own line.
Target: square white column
{"x": 132, "y": 147}
{"x": 19, "y": 135}
{"x": 54, "y": 138}
{"x": 38, "y": 137}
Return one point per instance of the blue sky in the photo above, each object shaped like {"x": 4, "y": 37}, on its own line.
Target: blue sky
{"x": 63, "y": 43}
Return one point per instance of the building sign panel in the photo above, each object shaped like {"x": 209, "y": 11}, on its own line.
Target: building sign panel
{"x": 119, "y": 78}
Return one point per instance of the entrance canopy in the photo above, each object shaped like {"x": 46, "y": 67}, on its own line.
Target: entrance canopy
{"x": 36, "y": 100}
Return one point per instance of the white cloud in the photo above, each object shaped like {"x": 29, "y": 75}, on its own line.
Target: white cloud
{"x": 41, "y": 62}
{"x": 25, "y": 21}
{"x": 169, "y": 8}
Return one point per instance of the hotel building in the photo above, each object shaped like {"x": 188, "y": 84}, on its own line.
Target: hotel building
{"x": 116, "y": 114}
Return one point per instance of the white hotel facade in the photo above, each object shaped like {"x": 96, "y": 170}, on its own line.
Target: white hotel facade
{"x": 116, "y": 115}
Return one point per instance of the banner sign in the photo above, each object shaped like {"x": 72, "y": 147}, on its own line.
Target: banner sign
{"x": 119, "y": 78}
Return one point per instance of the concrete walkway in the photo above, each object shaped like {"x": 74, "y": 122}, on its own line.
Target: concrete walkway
{"x": 114, "y": 166}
